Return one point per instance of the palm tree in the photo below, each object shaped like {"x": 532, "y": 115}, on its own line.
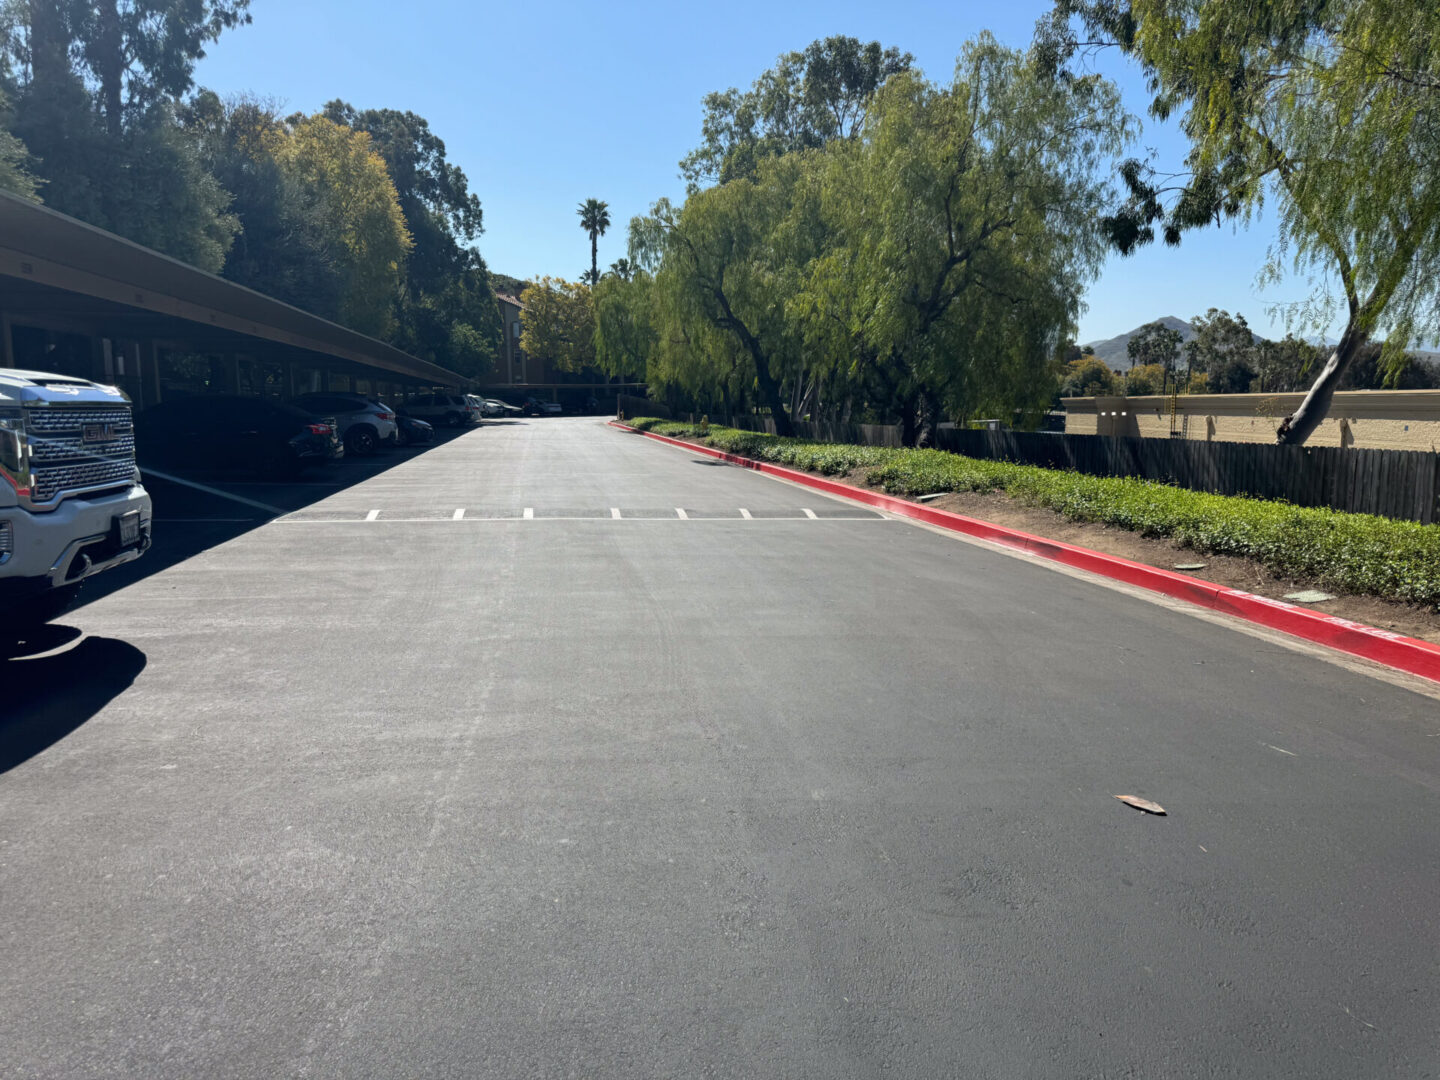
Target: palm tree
{"x": 594, "y": 219}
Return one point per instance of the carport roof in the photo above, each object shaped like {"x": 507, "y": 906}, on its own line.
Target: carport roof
{"x": 135, "y": 291}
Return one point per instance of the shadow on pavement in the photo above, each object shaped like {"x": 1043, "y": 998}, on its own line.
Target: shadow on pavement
{"x": 189, "y": 521}
{"x": 48, "y": 696}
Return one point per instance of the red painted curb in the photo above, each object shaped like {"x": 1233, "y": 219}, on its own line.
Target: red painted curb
{"x": 1382, "y": 646}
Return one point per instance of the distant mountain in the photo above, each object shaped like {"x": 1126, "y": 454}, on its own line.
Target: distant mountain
{"x": 1112, "y": 350}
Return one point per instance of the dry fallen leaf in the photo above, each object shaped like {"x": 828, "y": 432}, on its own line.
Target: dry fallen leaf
{"x": 1142, "y": 804}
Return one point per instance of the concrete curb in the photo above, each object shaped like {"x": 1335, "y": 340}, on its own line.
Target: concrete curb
{"x": 1382, "y": 646}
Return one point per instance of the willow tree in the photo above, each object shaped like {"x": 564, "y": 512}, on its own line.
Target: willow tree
{"x": 624, "y": 326}
{"x": 1327, "y": 106}
{"x": 964, "y": 226}
{"x": 725, "y": 264}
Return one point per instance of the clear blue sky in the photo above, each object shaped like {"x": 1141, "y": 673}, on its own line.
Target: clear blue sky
{"x": 544, "y": 105}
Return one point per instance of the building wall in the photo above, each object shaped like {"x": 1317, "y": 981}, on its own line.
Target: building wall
{"x": 511, "y": 369}
{"x": 1380, "y": 419}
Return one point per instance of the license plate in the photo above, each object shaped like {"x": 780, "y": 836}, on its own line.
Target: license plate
{"x": 94, "y": 433}
{"x": 128, "y": 526}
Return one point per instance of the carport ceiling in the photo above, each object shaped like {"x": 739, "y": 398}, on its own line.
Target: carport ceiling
{"x": 59, "y": 271}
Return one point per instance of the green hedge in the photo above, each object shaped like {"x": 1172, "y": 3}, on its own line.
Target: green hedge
{"x": 1356, "y": 553}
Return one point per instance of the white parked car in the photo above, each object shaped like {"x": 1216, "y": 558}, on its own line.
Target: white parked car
{"x": 365, "y": 424}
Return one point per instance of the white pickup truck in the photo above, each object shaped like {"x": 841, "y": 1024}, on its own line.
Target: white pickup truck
{"x": 71, "y": 503}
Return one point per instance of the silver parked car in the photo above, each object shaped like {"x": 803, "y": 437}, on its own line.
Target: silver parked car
{"x": 451, "y": 409}
{"x": 365, "y": 424}
{"x": 496, "y": 407}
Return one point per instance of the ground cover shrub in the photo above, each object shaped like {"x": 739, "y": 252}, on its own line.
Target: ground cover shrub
{"x": 1357, "y": 553}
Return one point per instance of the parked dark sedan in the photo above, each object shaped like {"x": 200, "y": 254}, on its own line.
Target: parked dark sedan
{"x": 227, "y": 433}
{"x": 413, "y": 432}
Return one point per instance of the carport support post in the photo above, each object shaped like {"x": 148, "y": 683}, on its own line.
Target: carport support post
{"x": 230, "y": 372}
{"x": 149, "y": 360}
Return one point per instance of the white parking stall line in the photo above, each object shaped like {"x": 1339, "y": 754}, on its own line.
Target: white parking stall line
{"x": 397, "y": 518}
{"x": 745, "y": 514}
{"x": 459, "y": 515}
{"x": 679, "y": 513}
{"x": 529, "y": 512}
{"x": 373, "y": 515}
{"x": 615, "y": 513}
{"x": 215, "y": 491}
{"x": 810, "y": 513}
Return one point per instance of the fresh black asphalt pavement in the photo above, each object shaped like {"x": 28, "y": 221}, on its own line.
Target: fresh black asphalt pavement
{"x": 494, "y": 763}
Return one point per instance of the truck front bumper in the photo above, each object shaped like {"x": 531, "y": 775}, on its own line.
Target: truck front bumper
{"x": 78, "y": 539}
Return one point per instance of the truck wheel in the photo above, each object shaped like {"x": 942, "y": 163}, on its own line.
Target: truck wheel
{"x": 39, "y": 610}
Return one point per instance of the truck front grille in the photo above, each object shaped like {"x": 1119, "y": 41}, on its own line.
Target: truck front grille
{"x": 7, "y": 540}
{"x": 64, "y": 463}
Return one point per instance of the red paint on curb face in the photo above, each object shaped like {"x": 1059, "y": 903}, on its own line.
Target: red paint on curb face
{"x": 1382, "y": 646}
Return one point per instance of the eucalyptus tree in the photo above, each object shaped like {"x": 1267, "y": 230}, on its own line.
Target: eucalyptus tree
{"x": 95, "y": 99}
{"x": 1155, "y": 343}
{"x": 446, "y": 311}
{"x": 1328, "y": 106}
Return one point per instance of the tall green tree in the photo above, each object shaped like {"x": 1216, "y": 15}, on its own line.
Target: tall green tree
{"x": 96, "y": 106}
{"x": 804, "y": 101}
{"x": 1223, "y": 349}
{"x": 625, "y": 334}
{"x": 963, "y": 229}
{"x": 17, "y": 174}
{"x": 1155, "y": 343}
{"x": 446, "y": 311}
{"x": 361, "y": 214}
{"x": 594, "y": 219}
{"x": 284, "y": 247}
{"x": 1326, "y": 105}
{"x": 1283, "y": 366}
{"x": 724, "y": 268}
{"x": 559, "y": 323}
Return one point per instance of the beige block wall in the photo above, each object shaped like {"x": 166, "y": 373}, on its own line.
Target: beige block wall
{"x": 1381, "y": 419}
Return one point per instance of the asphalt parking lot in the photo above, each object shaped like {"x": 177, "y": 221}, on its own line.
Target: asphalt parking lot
{"x": 550, "y": 751}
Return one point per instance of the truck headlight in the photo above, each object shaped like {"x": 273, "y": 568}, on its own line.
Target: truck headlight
{"x": 14, "y": 449}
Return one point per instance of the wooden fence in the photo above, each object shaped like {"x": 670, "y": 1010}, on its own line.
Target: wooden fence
{"x": 1401, "y": 484}
{"x": 628, "y": 405}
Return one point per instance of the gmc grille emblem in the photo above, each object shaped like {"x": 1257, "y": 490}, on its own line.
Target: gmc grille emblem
{"x": 99, "y": 433}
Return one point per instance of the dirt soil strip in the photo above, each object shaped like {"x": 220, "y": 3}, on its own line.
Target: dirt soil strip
{"x": 1413, "y": 655}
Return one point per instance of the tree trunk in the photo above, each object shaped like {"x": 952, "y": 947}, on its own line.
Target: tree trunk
{"x": 1299, "y": 425}
{"x": 909, "y": 421}
{"x": 770, "y": 397}
{"x": 930, "y": 421}
{"x": 49, "y": 44}
{"x": 110, "y": 64}
{"x": 594, "y": 257}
